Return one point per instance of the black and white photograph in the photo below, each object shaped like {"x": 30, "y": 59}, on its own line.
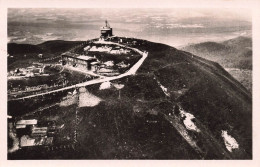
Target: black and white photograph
{"x": 127, "y": 83}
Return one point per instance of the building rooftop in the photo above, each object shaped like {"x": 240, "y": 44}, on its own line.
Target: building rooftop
{"x": 77, "y": 56}
{"x": 26, "y": 141}
{"x": 85, "y": 57}
{"x": 19, "y": 126}
{"x": 27, "y": 122}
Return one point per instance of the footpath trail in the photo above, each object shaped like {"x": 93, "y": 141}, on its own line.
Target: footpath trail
{"x": 131, "y": 71}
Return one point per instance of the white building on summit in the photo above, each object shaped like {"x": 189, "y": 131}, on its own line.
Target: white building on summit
{"x": 106, "y": 31}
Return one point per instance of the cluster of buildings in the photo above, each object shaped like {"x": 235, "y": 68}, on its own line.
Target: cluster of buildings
{"x": 88, "y": 63}
{"x": 26, "y": 72}
{"x": 33, "y": 135}
{"x": 91, "y": 63}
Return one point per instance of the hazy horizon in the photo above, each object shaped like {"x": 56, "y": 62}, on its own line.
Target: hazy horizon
{"x": 175, "y": 27}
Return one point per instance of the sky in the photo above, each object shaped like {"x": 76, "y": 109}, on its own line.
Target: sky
{"x": 176, "y": 27}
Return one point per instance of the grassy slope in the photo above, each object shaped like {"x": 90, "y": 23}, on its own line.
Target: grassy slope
{"x": 213, "y": 95}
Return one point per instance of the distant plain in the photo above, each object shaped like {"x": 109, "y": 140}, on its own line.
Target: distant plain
{"x": 175, "y": 27}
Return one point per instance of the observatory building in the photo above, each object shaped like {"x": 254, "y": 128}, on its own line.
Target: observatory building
{"x": 106, "y": 31}
{"x": 80, "y": 61}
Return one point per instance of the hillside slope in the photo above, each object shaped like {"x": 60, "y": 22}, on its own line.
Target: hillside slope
{"x": 204, "y": 89}
{"x": 149, "y": 118}
{"x": 235, "y": 55}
